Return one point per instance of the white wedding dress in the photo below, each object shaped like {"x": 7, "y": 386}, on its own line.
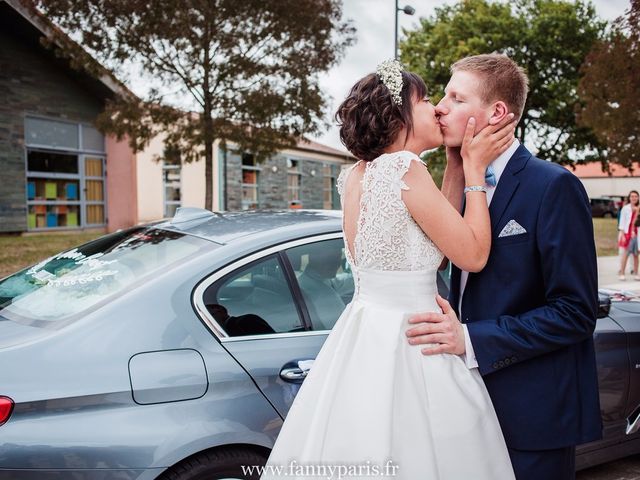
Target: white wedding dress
{"x": 372, "y": 403}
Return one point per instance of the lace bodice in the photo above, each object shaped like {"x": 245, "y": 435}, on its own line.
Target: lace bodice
{"x": 387, "y": 236}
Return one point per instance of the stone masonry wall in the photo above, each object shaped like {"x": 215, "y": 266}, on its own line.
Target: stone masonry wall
{"x": 31, "y": 83}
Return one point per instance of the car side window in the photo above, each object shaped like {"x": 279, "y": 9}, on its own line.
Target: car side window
{"x": 325, "y": 280}
{"x": 253, "y": 300}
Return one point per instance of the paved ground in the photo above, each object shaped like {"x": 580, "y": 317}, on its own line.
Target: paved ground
{"x": 608, "y": 275}
{"x": 627, "y": 469}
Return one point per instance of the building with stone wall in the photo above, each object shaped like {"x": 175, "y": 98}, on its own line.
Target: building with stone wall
{"x": 300, "y": 177}
{"x": 57, "y": 172}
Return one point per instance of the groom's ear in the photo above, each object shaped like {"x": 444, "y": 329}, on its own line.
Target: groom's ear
{"x": 500, "y": 110}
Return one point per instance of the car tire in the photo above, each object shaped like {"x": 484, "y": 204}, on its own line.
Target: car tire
{"x": 216, "y": 465}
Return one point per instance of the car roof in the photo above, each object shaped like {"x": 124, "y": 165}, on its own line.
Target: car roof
{"x": 226, "y": 227}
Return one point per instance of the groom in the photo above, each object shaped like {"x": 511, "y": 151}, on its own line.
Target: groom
{"x": 529, "y": 315}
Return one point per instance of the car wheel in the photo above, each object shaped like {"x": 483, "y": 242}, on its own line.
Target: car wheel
{"x": 222, "y": 464}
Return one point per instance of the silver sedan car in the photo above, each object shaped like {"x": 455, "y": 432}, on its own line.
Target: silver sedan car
{"x": 174, "y": 350}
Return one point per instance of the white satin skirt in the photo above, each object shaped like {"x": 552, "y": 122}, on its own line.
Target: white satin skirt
{"x": 373, "y": 406}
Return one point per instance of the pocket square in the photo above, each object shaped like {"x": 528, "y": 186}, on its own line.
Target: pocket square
{"x": 512, "y": 228}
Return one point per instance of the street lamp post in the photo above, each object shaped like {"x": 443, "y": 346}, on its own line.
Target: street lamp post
{"x": 409, "y": 10}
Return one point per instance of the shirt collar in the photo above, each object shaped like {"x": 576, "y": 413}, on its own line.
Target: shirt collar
{"x": 500, "y": 163}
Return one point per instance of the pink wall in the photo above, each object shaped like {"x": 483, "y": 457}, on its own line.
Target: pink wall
{"x": 122, "y": 198}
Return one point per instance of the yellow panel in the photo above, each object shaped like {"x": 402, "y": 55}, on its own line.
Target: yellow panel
{"x": 93, "y": 167}
{"x": 94, "y": 190}
{"x": 95, "y": 214}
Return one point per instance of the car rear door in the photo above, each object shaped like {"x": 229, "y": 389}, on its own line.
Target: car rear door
{"x": 255, "y": 307}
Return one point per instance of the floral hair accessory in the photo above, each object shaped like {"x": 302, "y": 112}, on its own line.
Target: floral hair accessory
{"x": 390, "y": 72}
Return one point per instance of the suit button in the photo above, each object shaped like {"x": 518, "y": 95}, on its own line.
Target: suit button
{"x": 501, "y": 364}
{"x": 513, "y": 359}
{"x": 507, "y": 361}
{"x": 495, "y": 365}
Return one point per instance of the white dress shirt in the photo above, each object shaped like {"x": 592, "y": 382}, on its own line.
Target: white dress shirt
{"x": 499, "y": 164}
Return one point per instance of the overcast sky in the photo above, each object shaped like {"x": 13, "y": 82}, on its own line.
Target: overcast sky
{"x": 373, "y": 20}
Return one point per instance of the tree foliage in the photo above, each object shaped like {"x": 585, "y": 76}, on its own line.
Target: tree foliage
{"x": 610, "y": 87}
{"x": 249, "y": 68}
{"x": 549, "y": 38}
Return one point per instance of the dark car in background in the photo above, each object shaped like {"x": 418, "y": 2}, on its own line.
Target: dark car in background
{"x": 174, "y": 350}
{"x": 603, "y": 207}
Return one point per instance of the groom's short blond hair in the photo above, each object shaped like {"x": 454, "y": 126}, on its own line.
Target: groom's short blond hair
{"x": 501, "y": 79}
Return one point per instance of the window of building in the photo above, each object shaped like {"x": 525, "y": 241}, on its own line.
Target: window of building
{"x": 65, "y": 175}
{"x": 329, "y": 188}
{"x": 250, "y": 176}
{"x": 294, "y": 176}
{"x": 171, "y": 182}
{"x": 171, "y": 179}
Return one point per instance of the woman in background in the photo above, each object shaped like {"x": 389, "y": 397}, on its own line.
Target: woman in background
{"x": 628, "y": 235}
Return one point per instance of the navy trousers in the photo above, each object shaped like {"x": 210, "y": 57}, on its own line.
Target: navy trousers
{"x": 559, "y": 464}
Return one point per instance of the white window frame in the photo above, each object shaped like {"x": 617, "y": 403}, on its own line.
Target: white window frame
{"x": 215, "y": 327}
{"x": 294, "y": 192}
{"x": 166, "y": 202}
{"x": 253, "y": 186}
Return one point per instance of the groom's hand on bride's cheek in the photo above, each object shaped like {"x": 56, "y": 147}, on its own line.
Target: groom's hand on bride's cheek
{"x": 440, "y": 332}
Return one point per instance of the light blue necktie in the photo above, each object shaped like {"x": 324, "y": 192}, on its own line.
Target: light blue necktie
{"x": 490, "y": 176}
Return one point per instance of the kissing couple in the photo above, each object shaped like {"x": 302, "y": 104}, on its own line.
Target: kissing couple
{"x": 497, "y": 382}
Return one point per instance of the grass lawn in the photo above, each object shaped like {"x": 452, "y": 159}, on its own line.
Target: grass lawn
{"x": 17, "y": 252}
{"x": 606, "y": 233}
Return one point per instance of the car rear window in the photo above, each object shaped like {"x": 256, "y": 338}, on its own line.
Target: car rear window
{"x": 74, "y": 282}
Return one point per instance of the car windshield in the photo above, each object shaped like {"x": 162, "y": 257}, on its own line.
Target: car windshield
{"x": 69, "y": 284}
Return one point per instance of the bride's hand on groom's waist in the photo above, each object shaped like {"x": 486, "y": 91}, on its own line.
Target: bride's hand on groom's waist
{"x": 441, "y": 332}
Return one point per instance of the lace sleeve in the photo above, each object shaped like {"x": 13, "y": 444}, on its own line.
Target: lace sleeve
{"x": 397, "y": 169}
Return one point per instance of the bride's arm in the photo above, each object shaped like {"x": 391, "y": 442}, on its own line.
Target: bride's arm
{"x": 465, "y": 241}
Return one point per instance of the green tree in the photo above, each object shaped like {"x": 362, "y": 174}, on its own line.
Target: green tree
{"x": 609, "y": 89}
{"x": 249, "y": 68}
{"x": 549, "y": 38}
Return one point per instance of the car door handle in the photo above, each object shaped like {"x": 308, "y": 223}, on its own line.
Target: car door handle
{"x": 296, "y": 371}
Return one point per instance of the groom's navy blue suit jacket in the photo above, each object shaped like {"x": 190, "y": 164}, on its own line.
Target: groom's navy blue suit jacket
{"x": 531, "y": 311}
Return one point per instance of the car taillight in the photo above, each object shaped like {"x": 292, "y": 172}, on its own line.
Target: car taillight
{"x": 6, "y": 407}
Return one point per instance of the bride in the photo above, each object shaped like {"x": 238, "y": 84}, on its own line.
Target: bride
{"x": 373, "y": 406}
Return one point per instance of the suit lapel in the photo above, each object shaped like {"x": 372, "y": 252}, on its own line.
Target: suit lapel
{"x": 507, "y": 185}
{"x": 505, "y": 189}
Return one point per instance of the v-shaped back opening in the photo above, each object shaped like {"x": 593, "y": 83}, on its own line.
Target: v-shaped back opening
{"x": 350, "y": 242}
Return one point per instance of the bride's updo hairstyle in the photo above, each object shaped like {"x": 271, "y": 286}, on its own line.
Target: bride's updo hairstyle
{"x": 371, "y": 117}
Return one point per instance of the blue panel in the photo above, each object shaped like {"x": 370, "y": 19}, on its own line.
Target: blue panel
{"x": 72, "y": 191}
{"x": 31, "y": 190}
{"x": 52, "y": 219}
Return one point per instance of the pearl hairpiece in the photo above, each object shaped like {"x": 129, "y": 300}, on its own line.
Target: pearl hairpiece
{"x": 390, "y": 72}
